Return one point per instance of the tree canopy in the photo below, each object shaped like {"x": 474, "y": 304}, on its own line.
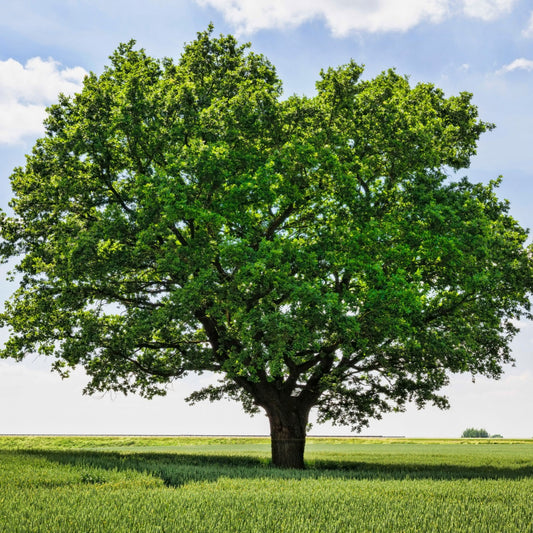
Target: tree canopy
{"x": 181, "y": 217}
{"x": 473, "y": 433}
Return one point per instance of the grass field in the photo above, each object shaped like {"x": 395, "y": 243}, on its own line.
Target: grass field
{"x": 134, "y": 484}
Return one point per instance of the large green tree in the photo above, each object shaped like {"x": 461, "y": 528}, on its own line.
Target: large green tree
{"x": 311, "y": 251}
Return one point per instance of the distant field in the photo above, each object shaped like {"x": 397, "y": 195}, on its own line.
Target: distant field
{"x": 150, "y": 484}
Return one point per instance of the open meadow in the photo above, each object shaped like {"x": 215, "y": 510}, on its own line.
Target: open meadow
{"x": 192, "y": 484}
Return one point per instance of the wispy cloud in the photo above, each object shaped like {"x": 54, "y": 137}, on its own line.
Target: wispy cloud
{"x": 345, "y": 16}
{"x": 528, "y": 31}
{"x": 518, "y": 64}
{"x": 26, "y": 90}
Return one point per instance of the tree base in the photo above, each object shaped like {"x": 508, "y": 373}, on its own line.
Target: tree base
{"x": 288, "y": 452}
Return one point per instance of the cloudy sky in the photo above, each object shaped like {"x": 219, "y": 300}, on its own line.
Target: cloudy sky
{"x": 481, "y": 46}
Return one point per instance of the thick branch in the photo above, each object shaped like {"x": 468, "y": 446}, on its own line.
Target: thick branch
{"x": 225, "y": 276}
{"x": 278, "y": 221}
{"x": 296, "y": 370}
{"x": 181, "y": 239}
{"x": 363, "y": 184}
{"x": 326, "y": 364}
{"x": 118, "y": 197}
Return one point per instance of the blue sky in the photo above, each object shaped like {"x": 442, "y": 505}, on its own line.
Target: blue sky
{"x": 481, "y": 46}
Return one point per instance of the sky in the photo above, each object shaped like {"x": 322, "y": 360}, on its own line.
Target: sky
{"x": 481, "y": 46}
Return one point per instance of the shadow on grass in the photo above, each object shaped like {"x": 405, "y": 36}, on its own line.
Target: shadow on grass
{"x": 177, "y": 469}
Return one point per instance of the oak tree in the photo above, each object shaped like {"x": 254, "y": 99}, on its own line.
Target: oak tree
{"x": 313, "y": 252}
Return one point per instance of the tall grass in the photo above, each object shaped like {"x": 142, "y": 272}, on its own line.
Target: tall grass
{"x": 131, "y": 484}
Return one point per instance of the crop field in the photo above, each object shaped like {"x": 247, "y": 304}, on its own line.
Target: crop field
{"x": 181, "y": 484}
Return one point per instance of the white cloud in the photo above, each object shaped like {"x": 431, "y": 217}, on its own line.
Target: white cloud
{"x": 487, "y": 9}
{"x": 25, "y": 91}
{"x": 518, "y": 64}
{"x": 528, "y": 32}
{"x": 344, "y": 16}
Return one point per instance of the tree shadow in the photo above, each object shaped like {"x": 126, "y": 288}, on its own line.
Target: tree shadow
{"x": 177, "y": 469}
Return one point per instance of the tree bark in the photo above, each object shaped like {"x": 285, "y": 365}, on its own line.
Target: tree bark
{"x": 287, "y": 435}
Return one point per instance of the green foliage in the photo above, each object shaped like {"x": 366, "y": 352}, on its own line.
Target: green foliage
{"x": 350, "y": 485}
{"x": 182, "y": 217}
{"x": 475, "y": 433}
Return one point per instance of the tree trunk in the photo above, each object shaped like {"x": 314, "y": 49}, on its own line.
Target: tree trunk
{"x": 287, "y": 435}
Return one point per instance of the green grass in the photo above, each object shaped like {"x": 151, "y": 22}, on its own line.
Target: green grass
{"x": 126, "y": 484}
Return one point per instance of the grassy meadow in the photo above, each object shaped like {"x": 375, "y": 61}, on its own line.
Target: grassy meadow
{"x": 192, "y": 484}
